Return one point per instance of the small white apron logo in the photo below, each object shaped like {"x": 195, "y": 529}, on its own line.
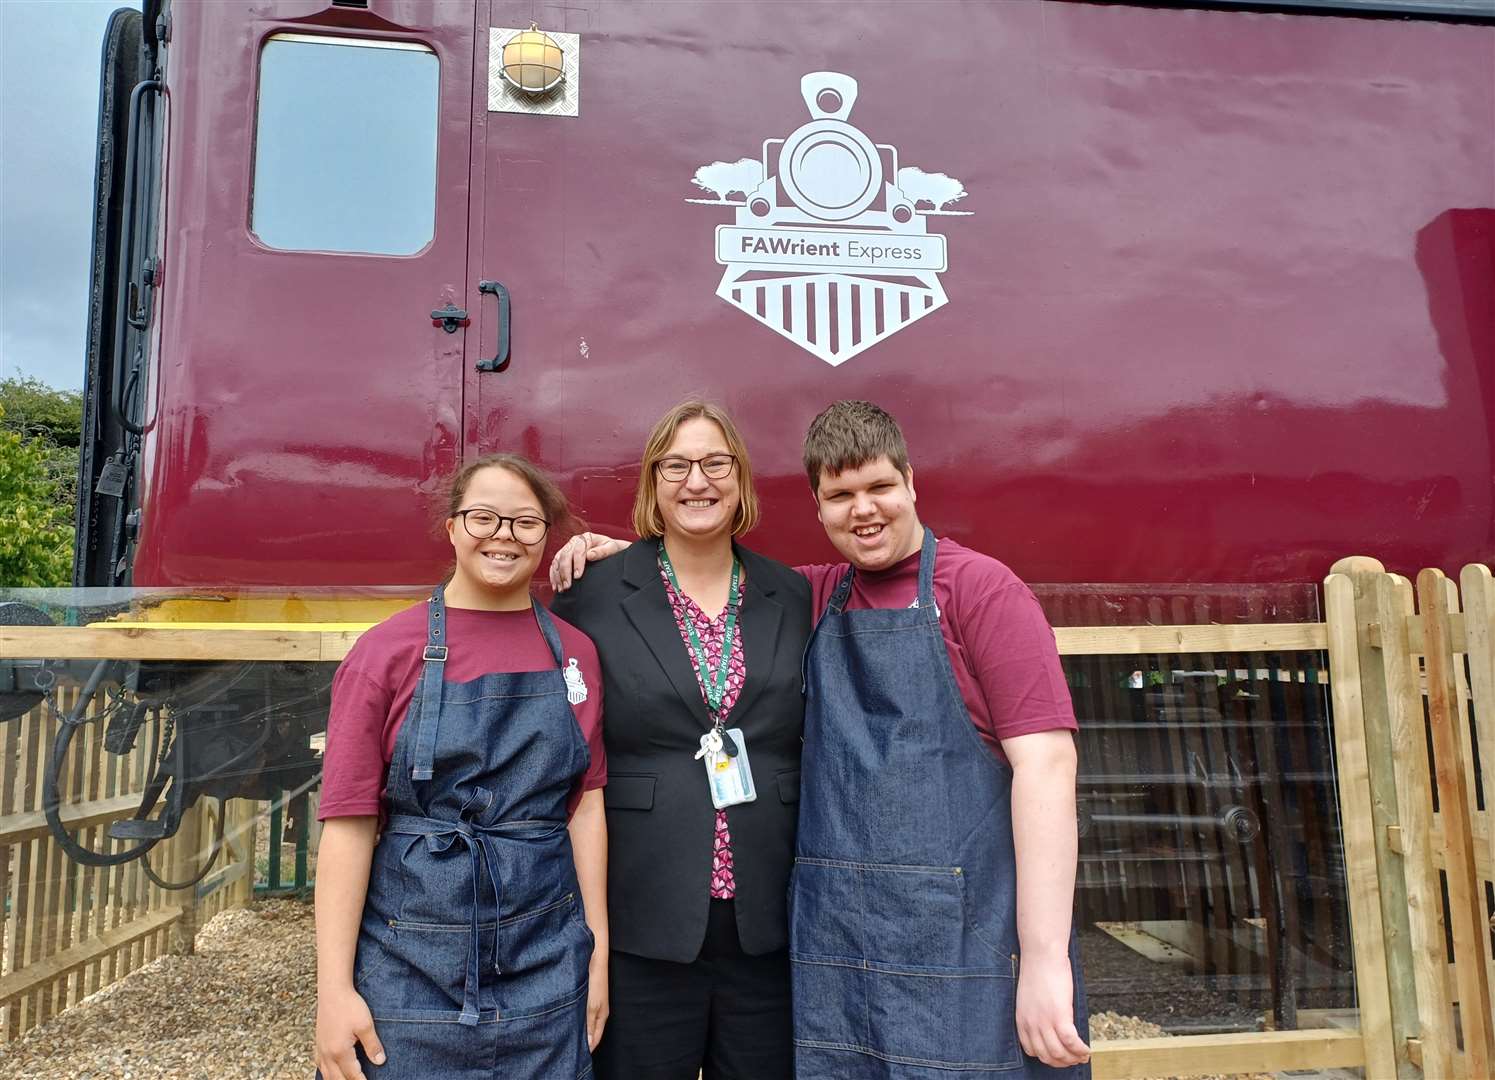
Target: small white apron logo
{"x": 849, "y": 261}
{"x": 576, "y": 687}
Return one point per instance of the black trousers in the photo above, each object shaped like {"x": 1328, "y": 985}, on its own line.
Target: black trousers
{"x": 724, "y": 1016}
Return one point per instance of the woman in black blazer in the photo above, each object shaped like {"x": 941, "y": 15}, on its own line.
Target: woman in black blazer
{"x": 696, "y": 895}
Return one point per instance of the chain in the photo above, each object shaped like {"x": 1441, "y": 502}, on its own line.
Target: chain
{"x": 167, "y": 735}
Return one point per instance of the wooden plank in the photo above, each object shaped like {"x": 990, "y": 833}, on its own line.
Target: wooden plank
{"x": 1478, "y": 587}
{"x": 94, "y": 878}
{"x": 1466, "y": 902}
{"x": 44, "y": 972}
{"x": 219, "y": 883}
{"x": 71, "y": 891}
{"x": 1240, "y": 1052}
{"x": 166, "y": 643}
{"x": 226, "y": 643}
{"x": 1382, "y": 762}
{"x": 18, "y": 828}
{"x": 39, "y": 947}
{"x": 1361, "y": 870}
{"x": 1393, "y": 596}
{"x": 1456, "y": 633}
{"x": 1132, "y": 640}
{"x": 186, "y": 862}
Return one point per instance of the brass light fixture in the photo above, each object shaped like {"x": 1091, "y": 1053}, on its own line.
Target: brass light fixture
{"x": 532, "y": 61}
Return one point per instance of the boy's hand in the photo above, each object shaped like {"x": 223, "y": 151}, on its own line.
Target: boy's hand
{"x": 571, "y": 560}
{"x": 1046, "y": 1012}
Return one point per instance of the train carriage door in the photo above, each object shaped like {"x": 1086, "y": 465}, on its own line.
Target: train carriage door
{"x": 315, "y": 357}
{"x": 568, "y": 209}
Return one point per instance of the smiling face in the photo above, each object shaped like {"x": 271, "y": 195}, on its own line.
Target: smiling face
{"x": 499, "y": 568}
{"x": 869, "y": 515}
{"x": 697, "y": 507}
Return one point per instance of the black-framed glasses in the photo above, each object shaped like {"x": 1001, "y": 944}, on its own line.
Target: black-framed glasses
{"x": 713, "y": 467}
{"x": 484, "y": 524}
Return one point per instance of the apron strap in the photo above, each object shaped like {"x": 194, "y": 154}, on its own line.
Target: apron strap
{"x": 842, "y": 594}
{"x": 547, "y": 628}
{"x": 431, "y": 684}
{"x": 926, "y": 577}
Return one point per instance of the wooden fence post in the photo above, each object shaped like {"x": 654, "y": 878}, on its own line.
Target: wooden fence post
{"x": 1466, "y": 903}
{"x": 1478, "y": 586}
{"x": 1386, "y": 818}
{"x": 184, "y": 864}
{"x": 1362, "y": 874}
{"x": 1418, "y": 861}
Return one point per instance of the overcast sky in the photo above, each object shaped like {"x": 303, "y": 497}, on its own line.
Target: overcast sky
{"x": 49, "y": 104}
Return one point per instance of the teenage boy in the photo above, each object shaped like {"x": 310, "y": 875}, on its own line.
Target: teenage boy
{"x": 930, "y": 909}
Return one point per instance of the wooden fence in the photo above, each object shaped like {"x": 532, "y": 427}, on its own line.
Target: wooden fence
{"x": 1414, "y": 707}
{"x": 71, "y": 929}
{"x": 1410, "y": 822}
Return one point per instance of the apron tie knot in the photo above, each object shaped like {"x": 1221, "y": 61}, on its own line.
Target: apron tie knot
{"x": 482, "y": 843}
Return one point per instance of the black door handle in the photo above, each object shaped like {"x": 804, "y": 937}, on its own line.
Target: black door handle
{"x": 501, "y": 359}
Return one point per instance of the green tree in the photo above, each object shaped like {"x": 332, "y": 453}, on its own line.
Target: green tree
{"x": 51, "y": 421}
{"x": 36, "y": 534}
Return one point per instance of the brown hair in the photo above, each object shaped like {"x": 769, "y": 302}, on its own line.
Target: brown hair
{"x": 647, "y": 521}
{"x": 553, "y": 502}
{"x": 849, "y": 434}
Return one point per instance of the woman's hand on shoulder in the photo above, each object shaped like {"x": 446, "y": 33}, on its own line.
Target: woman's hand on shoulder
{"x": 343, "y": 1019}
{"x": 571, "y": 560}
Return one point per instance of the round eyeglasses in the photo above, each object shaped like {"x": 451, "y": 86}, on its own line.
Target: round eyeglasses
{"x": 485, "y": 525}
{"x": 713, "y": 467}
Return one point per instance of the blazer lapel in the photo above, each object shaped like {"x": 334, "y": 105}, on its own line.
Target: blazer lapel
{"x": 648, "y": 610}
{"x": 758, "y": 623}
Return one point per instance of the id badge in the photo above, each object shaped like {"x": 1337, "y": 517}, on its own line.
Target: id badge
{"x": 730, "y": 778}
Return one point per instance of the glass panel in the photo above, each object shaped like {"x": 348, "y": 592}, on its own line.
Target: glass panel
{"x": 1211, "y": 890}
{"x": 345, "y": 146}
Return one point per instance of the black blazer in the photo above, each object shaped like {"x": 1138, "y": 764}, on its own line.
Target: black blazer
{"x": 660, "y": 821}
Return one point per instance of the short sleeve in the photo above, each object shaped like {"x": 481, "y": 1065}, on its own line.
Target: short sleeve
{"x": 1011, "y": 649}
{"x": 353, "y": 765}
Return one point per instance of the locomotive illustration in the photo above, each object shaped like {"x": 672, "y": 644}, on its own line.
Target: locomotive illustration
{"x": 829, "y": 247}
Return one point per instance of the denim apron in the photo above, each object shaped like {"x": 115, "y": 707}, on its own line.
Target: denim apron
{"x": 903, "y": 903}
{"x": 473, "y": 949}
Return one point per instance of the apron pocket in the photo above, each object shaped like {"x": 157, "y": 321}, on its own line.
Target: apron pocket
{"x": 964, "y": 1021}
{"x": 424, "y": 972}
{"x": 903, "y": 917}
{"x": 543, "y": 955}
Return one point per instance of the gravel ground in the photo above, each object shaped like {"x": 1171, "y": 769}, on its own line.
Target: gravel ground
{"x": 241, "y": 1009}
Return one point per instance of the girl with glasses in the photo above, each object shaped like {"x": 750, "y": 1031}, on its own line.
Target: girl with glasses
{"x": 461, "y": 900}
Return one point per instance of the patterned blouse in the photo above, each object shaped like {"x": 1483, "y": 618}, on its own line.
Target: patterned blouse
{"x": 712, "y": 632}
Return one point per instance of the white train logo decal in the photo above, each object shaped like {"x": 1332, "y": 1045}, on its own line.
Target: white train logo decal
{"x": 831, "y": 246}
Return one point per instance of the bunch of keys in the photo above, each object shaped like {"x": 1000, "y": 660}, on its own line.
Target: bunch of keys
{"x": 717, "y": 748}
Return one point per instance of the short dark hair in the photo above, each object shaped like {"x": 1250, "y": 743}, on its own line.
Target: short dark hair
{"x": 849, "y": 434}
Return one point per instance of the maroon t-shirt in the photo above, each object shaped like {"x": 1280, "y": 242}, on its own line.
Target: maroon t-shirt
{"x": 372, "y": 690}
{"x": 1001, "y": 647}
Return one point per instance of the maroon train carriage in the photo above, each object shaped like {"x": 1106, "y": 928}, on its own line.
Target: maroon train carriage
{"x": 1201, "y": 297}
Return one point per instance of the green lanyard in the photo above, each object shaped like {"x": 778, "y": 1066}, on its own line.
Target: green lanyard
{"x": 715, "y": 688}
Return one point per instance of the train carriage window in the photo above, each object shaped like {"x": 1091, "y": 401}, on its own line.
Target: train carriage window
{"x": 345, "y": 145}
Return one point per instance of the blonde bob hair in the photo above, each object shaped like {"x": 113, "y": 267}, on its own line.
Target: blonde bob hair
{"x": 647, "y": 521}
